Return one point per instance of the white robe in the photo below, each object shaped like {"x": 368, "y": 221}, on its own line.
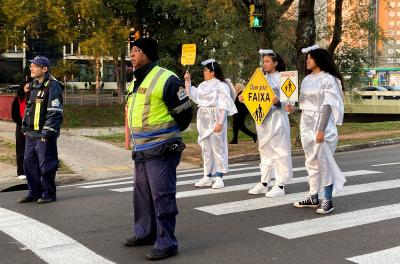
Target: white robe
{"x": 274, "y": 141}
{"x": 318, "y": 90}
{"x": 213, "y": 98}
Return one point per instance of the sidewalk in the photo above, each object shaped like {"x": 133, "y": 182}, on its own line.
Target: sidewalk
{"x": 90, "y": 159}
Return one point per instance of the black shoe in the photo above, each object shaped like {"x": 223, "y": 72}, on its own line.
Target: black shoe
{"x": 134, "y": 242}
{"x": 233, "y": 142}
{"x": 255, "y": 138}
{"x": 46, "y": 200}
{"x": 156, "y": 254}
{"x": 326, "y": 207}
{"x": 311, "y": 201}
{"x": 27, "y": 199}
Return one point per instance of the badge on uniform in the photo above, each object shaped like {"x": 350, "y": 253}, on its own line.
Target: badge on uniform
{"x": 55, "y": 103}
{"x": 181, "y": 93}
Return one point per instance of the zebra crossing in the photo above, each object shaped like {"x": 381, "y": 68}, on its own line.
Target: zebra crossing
{"x": 315, "y": 226}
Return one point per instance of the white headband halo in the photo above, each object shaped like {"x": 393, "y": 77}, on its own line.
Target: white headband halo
{"x": 308, "y": 49}
{"x": 266, "y": 52}
{"x": 212, "y": 61}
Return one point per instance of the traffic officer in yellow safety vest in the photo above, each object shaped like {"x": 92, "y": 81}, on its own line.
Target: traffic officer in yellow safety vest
{"x": 158, "y": 109}
{"x": 41, "y": 125}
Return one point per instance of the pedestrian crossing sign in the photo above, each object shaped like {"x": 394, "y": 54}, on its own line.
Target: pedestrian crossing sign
{"x": 289, "y": 86}
{"x": 257, "y": 96}
{"x": 188, "y": 54}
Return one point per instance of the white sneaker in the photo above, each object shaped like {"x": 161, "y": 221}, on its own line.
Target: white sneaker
{"x": 218, "y": 184}
{"x": 275, "y": 192}
{"x": 21, "y": 177}
{"x": 259, "y": 188}
{"x": 204, "y": 182}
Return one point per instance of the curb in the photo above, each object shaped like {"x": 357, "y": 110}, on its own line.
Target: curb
{"x": 300, "y": 152}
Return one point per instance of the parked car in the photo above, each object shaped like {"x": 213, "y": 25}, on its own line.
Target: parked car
{"x": 373, "y": 89}
{"x": 391, "y": 88}
{"x": 13, "y": 88}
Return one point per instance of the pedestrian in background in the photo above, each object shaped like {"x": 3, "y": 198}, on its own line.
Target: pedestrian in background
{"x": 17, "y": 113}
{"x": 41, "y": 125}
{"x": 274, "y": 134}
{"x": 321, "y": 103}
{"x": 215, "y": 101}
{"x": 240, "y": 117}
{"x": 158, "y": 109}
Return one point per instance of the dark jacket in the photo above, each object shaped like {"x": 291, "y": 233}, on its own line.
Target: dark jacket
{"x": 48, "y": 97}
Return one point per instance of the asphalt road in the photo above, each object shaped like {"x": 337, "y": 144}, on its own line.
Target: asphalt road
{"x": 90, "y": 220}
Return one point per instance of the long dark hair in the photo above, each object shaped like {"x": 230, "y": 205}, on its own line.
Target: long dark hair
{"x": 326, "y": 63}
{"x": 216, "y": 68}
{"x": 281, "y": 66}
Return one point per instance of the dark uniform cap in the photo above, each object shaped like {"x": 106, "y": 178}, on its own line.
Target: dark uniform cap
{"x": 41, "y": 61}
{"x": 148, "y": 46}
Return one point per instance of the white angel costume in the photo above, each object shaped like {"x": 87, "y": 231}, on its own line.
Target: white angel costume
{"x": 274, "y": 141}
{"x": 319, "y": 90}
{"x": 215, "y": 102}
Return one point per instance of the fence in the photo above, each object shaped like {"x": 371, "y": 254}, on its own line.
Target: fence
{"x": 84, "y": 98}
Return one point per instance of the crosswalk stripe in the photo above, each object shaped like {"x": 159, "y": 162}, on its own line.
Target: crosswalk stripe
{"x": 201, "y": 192}
{"x": 97, "y": 182}
{"x": 387, "y": 256}
{"x": 334, "y": 222}
{"x": 201, "y": 169}
{"x": 49, "y": 244}
{"x": 233, "y": 170}
{"x": 179, "y": 183}
{"x": 264, "y": 202}
{"x": 385, "y": 164}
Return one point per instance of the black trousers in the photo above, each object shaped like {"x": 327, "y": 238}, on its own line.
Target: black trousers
{"x": 20, "y": 150}
{"x": 238, "y": 124}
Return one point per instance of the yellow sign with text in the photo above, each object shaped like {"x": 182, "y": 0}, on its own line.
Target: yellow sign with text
{"x": 188, "y": 54}
{"x": 289, "y": 86}
{"x": 257, "y": 96}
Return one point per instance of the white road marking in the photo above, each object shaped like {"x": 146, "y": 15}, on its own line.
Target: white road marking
{"x": 385, "y": 164}
{"x": 264, "y": 202}
{"x": 47, "y": 243}
{"x": 387, "y": 256}
{"x": 334, "y": 222}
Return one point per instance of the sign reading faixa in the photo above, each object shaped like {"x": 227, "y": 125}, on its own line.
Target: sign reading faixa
{"x": 257, "y": 96}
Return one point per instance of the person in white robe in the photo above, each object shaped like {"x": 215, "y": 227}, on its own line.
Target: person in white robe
{"x": 321, "y": 103}
{"x": 274, "y": 135}
{"x": 214, "y": 97}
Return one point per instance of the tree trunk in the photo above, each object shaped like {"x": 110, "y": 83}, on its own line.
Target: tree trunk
{"x": 117, "y": 77}
{"x": 98, "y": 77}
{"x": 337, "y": 30}
{"x": 305, "y": 32}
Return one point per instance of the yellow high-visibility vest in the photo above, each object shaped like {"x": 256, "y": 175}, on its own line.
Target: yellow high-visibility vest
{"x": 148, "y": 116}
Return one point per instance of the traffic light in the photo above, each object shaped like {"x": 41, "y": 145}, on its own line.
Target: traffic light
{"x": 256, "y": 15}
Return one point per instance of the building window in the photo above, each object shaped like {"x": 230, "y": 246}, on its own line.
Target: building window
{"x": 391, "y": 14}
{"x": 391, "y": 23}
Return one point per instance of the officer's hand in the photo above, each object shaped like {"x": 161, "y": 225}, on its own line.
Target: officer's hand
{"x": 187, "y": 76}
{"x": 43, "y": 139}
{"x": 218, "y": 128}
{"x": 320, "y": 136}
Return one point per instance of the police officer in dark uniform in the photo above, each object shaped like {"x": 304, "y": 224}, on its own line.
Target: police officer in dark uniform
{"x": 41, "y": 125}
{"x": 158, "y": 109}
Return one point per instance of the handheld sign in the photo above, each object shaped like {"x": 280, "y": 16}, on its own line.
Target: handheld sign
{"x": 289, "y": 86}
{"x": 257, "y": 96}
{"x": 188, "y": 54}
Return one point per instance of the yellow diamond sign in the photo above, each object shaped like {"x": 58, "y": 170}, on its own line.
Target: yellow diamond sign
{"x": 288, "y": 87}
{"x": 257, "y": 96}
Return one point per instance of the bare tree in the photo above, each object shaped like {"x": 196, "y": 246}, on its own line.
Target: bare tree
{"x": 337, "y": 28}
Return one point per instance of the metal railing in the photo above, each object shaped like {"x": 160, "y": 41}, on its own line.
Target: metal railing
{"x": 96, "y": 99}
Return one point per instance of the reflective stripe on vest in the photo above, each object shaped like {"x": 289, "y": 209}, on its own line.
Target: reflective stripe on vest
{"x": 148, "y": 116}
{"x": 37, "y": 116}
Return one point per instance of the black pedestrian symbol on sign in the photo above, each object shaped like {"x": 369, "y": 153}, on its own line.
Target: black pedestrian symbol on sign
{"x": 288, "y": 87}
{"x": 258, "y": 114}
